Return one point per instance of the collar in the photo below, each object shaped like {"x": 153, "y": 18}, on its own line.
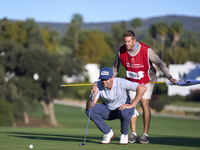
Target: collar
{"x": 136, "y": 45}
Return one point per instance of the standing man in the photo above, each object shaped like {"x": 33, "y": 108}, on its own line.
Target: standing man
{"x": 114, "y": 92}
{"x": 137, "y": 58}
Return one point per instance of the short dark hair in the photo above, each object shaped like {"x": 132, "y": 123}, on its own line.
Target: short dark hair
{"x": 129, "y": 33}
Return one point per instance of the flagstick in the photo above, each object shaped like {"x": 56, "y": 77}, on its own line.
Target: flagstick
{"x": 63, "y": 85}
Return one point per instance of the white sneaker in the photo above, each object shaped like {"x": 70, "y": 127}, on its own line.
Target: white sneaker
{"x": 107, "y": 137}
{"x": 123, "y": 139}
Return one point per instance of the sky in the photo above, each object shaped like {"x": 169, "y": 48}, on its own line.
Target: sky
{"x": 93, "y": 11}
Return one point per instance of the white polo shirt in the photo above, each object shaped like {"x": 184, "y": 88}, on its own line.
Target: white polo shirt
{"x": 117, "y": 95}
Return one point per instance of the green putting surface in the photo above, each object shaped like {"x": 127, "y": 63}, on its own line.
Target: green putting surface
{"x": 165, "y": 133}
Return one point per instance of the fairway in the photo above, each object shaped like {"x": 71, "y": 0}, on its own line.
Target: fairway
{"x": 165, "y": 133}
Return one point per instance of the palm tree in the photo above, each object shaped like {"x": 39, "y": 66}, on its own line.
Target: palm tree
{"x": 117, "y": 32}
{"x": 175, "y": 32}
{"x": 153, "y": 34}
{"x": 137, "y": 22}
{"x": 123, "y": 25}
{"x": 76, "y": 21}
{"x": 162, "y": 29}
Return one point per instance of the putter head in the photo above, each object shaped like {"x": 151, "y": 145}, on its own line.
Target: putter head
{"x": 81, "y": 144}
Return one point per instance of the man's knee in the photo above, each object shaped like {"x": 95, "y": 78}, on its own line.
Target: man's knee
{"x": 145, "y": 103}
{"x": 127, "y": 113}
{"x": 92, "y": 113}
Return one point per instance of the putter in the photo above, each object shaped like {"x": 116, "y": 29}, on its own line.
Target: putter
{"x": 81, "y": 144}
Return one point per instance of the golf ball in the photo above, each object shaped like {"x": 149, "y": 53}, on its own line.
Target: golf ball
{"x": 31, "y": 146}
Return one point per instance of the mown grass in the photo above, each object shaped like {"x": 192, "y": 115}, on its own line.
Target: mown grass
{"x": 165, "y": 133}
{"x": 190, "y": 104}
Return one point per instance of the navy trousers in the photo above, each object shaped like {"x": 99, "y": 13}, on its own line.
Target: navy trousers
{"x": 100, "y": 112}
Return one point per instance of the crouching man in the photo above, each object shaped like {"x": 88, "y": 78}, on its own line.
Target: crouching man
{"x": 114, "y": 92}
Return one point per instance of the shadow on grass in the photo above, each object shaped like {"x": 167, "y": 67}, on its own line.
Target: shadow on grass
{"x": 156, "y": 139}
{"x": 176, "y": 141}
{"x": 55, "y": 137}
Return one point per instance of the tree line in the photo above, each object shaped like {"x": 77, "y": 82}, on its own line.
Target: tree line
{"x": 33, "y": 60}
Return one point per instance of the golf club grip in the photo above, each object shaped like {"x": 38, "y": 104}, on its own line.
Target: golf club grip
{"x": 92, "y": 96}
{"x": 93, "y": 92}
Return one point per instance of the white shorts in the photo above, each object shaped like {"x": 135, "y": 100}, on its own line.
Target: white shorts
{"x": 147, "y": 94}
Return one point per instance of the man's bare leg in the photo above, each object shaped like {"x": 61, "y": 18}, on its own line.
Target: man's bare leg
{"x": 146, "y": 120}
{"x": 146, "y": 115}
{"x": 133, "y": 136}
{"x": 133, "y": 124}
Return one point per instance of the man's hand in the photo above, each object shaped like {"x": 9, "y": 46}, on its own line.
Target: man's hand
{"x": 173, "y": 81}
{"x": 92, "y": 97}
{"x": 125, "y": 106}
{"x": 94, "y": 89}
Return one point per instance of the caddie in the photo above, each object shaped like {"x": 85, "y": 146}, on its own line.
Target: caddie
{"x": 138, "y": 60}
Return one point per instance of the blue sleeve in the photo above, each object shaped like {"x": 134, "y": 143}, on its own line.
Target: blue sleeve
{"x": 99, "y": 88}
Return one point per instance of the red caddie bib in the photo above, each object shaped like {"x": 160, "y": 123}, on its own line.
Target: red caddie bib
{"x": 137, "y": 66}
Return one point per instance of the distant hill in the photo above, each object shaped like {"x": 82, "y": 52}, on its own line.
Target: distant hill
{"x": 189, "y": 24}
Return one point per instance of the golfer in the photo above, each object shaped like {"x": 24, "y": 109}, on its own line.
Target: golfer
{"x": 138, "y": 59}
{"x": 114, "y": 92}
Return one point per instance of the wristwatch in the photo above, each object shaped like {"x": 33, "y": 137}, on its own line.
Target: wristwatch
{"x": 170, "y": 77}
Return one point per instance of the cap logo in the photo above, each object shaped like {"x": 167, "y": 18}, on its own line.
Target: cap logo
{"x": 105, "y": 73}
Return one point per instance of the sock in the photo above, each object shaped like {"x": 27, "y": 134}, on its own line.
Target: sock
{"x": 134, "y": 133}
{"x": 146, "y": 134}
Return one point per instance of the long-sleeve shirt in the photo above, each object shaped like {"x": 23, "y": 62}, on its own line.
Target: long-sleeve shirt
{"x": 153, "y": 57}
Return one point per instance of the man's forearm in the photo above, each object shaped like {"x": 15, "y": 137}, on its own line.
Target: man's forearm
{"x": 116, "y": 64}
{"x": 153, "y": 57}
{"x": 88, "y": 104}
{"x": 139, "y": 94}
